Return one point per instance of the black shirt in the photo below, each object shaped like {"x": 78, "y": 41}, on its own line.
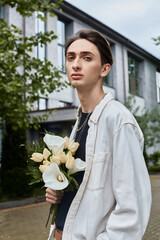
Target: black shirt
{"x": 80, "y": 153}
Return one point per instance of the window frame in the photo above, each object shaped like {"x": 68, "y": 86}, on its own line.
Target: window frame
{"x": 46, "y": 103}
{"x": 108, "y": 80}
{"x": 64, "y": 104}
{"x": 61, "y": 46}
{"x": 136, "y": 83}
{"x": 1, "y": 11}
{"x": 158, "y": 85}
{"x": 37, "y": 30}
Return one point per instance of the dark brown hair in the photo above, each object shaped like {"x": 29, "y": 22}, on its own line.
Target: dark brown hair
{"x": 97, "y": 39}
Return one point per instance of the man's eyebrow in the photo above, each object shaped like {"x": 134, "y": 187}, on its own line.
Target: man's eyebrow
{"x": 86, "y": 52}
{"x": 70, "y": 53}
{"x": 82, "y": 53}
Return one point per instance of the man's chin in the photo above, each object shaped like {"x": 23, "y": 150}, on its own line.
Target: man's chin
{"x": 76, "y": 84}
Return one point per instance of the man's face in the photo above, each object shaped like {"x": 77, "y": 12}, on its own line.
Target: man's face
{"x": 83, "y": 64}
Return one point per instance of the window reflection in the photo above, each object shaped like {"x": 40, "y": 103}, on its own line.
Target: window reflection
{"x": 1, "y": 11}
{"x": 40, "y": 27}
{"x": 61, "y": 33}
{"x": 135, "y": 81}
{"x": 42, "y": 104}
{"x": 158, "y": 86}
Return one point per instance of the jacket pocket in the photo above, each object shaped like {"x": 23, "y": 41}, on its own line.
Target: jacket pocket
{"x": 98, "y": 171}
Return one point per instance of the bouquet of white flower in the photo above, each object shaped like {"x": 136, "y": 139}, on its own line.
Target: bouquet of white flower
{"x": 56, "y": 166}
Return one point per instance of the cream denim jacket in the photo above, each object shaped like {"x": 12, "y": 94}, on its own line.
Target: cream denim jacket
{"x": 114, "y": 200}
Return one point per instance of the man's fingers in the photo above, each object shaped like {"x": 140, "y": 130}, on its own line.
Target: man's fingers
{"x": 53, "y": 197}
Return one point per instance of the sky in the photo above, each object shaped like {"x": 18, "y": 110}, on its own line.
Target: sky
{"x": 137, "y": 20}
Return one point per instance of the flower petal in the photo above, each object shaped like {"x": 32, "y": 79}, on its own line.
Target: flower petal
{"x": 54, "y": 143}
{"x": 80, "y": 166}
{"x": 50, "y": 177}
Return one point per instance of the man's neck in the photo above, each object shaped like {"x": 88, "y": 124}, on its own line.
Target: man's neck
{"x": 89, "y": 100}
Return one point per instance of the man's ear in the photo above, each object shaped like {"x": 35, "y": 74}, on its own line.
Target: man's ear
{"x": 105, "y": 69}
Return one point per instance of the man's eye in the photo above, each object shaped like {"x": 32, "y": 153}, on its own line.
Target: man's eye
{"x": 70, "y": 58}
{"x": 88, "y": 58}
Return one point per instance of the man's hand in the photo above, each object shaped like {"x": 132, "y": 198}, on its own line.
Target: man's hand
{"x": 53, "y": 197}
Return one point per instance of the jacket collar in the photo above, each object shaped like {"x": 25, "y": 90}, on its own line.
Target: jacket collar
{"x": 98, "y": 109}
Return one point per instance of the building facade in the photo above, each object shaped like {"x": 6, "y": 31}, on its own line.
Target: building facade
{"x": 134, "y": 72}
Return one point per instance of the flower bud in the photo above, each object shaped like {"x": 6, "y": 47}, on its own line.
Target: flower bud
{"x": 73, "y": 146}
{"x": 46, "y": 153}
{"x": 46, "y": 163}
{"x": 66, "y": 142}
{"x": 70, "y": 163}
{"x": 42, "y": 168}
{"x": 37, "y": 157}
{"x": 62, "y": 157}
{"x": 55, "y": 158}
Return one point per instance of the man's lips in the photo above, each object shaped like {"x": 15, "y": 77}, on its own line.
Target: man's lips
{"x": 76, "y": 76}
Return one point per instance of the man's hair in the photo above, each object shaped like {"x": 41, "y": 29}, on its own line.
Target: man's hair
{"x": 97, "y": 39}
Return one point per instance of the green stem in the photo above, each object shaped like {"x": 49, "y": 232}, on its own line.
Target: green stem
{"x": 52, "y": 207}
{"x": 55, "y": 213}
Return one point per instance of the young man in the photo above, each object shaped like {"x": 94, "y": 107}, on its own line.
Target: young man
{"x": 114, "y": 198}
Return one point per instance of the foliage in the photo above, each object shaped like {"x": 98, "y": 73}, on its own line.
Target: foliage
{"x": 156, "y": 40}
{"x": 23, "y": 80}
{"x": 27, "y": 7}
{"x": 13, "y": 174}
{"x": 154, "y": 169}
{"x": 154, "y": 158}
{"x": 18, "y": 90}
{"x": 149, "y": 123}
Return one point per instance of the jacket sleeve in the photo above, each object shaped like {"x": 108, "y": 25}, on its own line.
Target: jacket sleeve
{"x": 131, "y": 188}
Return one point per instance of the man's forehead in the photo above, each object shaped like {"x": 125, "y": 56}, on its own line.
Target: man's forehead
{"x": 82, "y": 46}
{"x": 81, "y": 52}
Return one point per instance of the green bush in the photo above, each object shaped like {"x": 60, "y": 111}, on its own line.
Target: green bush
{"x": 155, "y": 158}
{"x": 14, "y": 181}
{"x": 155, "y": 169}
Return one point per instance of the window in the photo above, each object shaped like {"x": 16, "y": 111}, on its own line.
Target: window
{"x": 158, "y": 86}
{"x": 64, "y": 104}
{"x": 1, "y": 11}
{"x": 135, "y": 81}
{"x": 40, "y": 27}
{"x": 42, "y": 103}
{"x": 61, "y": 33}
{"x": 108, "y": 80}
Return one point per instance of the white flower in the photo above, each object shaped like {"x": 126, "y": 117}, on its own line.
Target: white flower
{"x": 55, "y": 158}
{"x": 72, "y": 146}
{"x": 63, "y": 157}
{"x": 46, "y": 153}
{"x": 79, "y": 166}
{"x": 37, "y": 157}
{"x": 70, "y": 163}
{"x": 43, "y": 167}
{"x": 66, "y": 142}
{"x": 54, "y": 143}
{"x": 54, "y": 178}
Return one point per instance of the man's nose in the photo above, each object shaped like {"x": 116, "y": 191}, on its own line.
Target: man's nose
{"x": 76, "y": 64}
